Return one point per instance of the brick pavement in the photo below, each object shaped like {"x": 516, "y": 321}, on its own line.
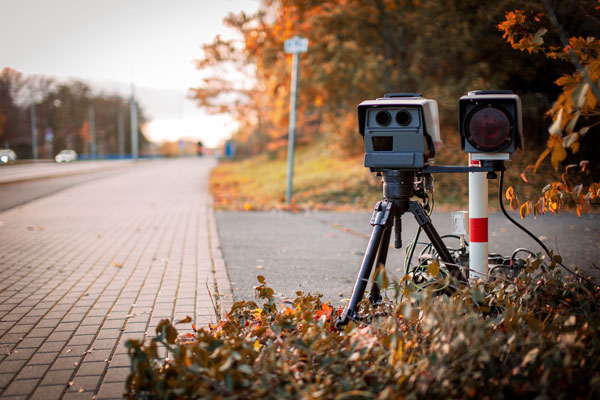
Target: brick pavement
{"x": 87, "y": 268}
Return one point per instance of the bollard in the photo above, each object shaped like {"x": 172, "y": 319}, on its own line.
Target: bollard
{"x": 478, "y": 222}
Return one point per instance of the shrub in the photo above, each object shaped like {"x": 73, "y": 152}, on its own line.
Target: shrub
{"x": 534, "y": 335}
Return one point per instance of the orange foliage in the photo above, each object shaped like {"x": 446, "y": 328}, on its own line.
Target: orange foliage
{"x": 571, "y": 111}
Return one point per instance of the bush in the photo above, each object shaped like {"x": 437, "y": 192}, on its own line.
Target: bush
{"x": 533, "y": 336}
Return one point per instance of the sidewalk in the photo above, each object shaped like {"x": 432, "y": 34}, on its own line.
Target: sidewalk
{"x": 86, "y": 269}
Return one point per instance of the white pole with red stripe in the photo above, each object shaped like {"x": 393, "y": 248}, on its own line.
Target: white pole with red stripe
{"x": 478, "y": 222}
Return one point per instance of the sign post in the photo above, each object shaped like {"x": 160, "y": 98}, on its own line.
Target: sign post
{"x": 295, "y": 46}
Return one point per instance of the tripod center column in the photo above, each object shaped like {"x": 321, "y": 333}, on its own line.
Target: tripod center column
{"x": 398, "y": 185}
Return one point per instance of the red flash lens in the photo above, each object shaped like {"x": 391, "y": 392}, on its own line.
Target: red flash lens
{"x": 489, "y": 128}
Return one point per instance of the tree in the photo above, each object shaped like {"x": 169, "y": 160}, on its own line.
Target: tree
{"x": 360, "y": 50}
{"x": 576, "y": 111}
{"x": 12, "y": 84}
{"x": 63, "y": 108}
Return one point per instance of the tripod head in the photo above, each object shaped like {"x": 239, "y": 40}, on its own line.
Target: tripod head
{"x": 401, "y": 185}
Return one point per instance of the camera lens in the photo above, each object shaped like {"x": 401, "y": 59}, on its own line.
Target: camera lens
{"x": 383, "y": 118}
{"x": 403, "y": 117}
{"x": 489, "y": 128}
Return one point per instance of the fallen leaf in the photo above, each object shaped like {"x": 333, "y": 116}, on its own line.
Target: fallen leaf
{"x": 186, "y": 320}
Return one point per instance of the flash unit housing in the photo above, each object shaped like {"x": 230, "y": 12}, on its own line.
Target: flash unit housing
{"x": 490, "y": 123}
{"x": 399, "y": 131}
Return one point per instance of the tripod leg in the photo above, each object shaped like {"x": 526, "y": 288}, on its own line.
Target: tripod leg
{"x": 425, "y": 222}
{"x": 380, "y": 219}
{"x": 384, "y": 245}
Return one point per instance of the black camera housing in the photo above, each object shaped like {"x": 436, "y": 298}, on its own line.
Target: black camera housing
{"x": 490, "y": 122}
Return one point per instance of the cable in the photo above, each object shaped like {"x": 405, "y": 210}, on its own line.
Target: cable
{"x": 411, "y": 247}
{"x": 500, "y": 191}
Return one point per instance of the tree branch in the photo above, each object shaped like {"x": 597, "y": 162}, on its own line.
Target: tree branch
{"x": 565, "y": 43}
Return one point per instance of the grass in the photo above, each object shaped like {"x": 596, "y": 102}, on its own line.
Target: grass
{"x": 325, "y": 179}
{"x": 321, "y": 181}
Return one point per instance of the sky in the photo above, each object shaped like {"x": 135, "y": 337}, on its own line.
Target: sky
{"x": 111, "y": 44}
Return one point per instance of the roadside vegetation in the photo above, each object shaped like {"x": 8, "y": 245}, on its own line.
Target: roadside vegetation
{"x": 534, "y": 336}
{"x": 321, "y": 181}
{"x": 326, "y": 179}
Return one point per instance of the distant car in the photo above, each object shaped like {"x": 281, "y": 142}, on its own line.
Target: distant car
{"x": 7, "y": 156}
{"x": 66, "y": 156}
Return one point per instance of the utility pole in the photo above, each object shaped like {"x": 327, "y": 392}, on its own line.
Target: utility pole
{"x": 93, "y": 148}
{"x": 134, "y": 125}
{"x": 120, "y": 134}
{"x": 34, "y": 144}
{"x": 295, "y": 46}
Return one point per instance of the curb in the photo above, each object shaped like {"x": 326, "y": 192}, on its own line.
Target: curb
{"x": 224, "y": 294}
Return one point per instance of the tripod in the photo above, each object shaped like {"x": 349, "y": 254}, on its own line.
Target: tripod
{"x": 398, "y": 188}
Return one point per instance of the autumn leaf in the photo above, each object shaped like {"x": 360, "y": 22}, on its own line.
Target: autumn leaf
{"x": 512, "y": 198}
{"x": 540, "y": 159}
{"x": 186, "y": 320}
{"x": 326, "y": 310}
{"x": 433, "y": 268}
{"x": 510, "y": 193}
{"x": 525, "y": 209}
{"x": 558, "y": 154}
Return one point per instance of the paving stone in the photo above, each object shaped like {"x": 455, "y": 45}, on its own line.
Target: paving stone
{"x": 12, "y": 366}
{"x": 29, "y": 342}
{"x": 59, "y": 377}
{"x": 116, "y": 374}
{"x": 42, "y": 358}
{"x": 98, "y": 355}
{"x": 92, "y": 368}
{"x": 48, "y": 392}
{"x": 32, "y": 371}
{"x": 87, "y": 383}
{"x": 81, "y": 340}
{"x": 39, "y": 332}
{"x": 108, "y": 334}
{"x": 59, "y": 336}
{"x": 20, "y": 387}
{"x": 20, "y": 354}
{"x": 50, "y": 347}
{"x": 87, "y": 330}
{"x": 21, "y": 328}
{"x": 5, "y": 379}
{"x": 83, "y": 395}
{"x": 111, "y": 390}
{"x": 120, "y": 360}
{"x": 68, "y": 363}
{"x": 67, "y": 326}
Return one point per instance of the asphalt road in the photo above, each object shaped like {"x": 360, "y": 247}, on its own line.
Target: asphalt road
{"x": 321, "y": 252}
{"x": 18, "y": 193}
